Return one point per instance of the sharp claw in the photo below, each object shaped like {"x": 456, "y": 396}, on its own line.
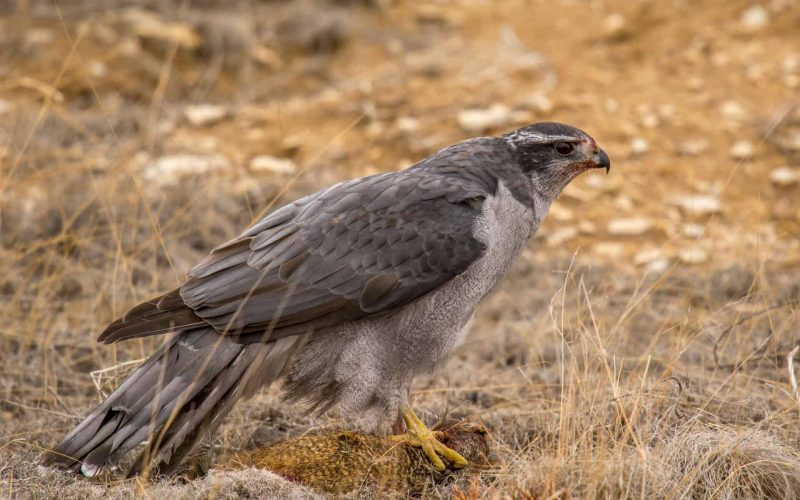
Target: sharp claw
{"x": 430, "y": 451}
{"x": 419, "y": 436}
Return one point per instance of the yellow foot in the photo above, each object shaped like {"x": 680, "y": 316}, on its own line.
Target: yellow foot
{"x": 421, "y": 437}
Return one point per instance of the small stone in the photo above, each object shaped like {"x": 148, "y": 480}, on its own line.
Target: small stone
{"x": 540, "y": 103}
{"x": 375, "y": 129}
{"x": 693, "y": 231}
{"x": 791, "y": 64}
{"x": 647, "y": 256}
{"x": 608, "y": 249}
{"x": 587, "y": 227}
{"x": 699, "y": 204}
{"x": 639, "y": 146}
{"x": 561, "y": 213}
{"x": 38, "y": 36}
{"x": 203, "y": 115}
{"x": 5, "y": 107}
{"x": 633, "y": 226}
{"x": 784, "y": 176}
{"x": 667, "y": 110}
{"x": 658, "y": 266}
{"x": 148, "y": 25}
{"x": 693, "y": 255}
{"x": 97, "y": 69}
{"x": 596, "y": 182}
{"x": 623, "y": 203}
{"x": 695, "y": 83}
{"x": 561, "y": 235}
{"x": 693, "y": 147}
{"x": 479, "y": 120}
{"x": 275, "y": 165}
{"x": 732, "y": 110}
{"x": 168, "y": 170}
{"x": 267, "y": 57}
{"x": 742, "y": 150}
{"x": 754, "y": 19}
{"x": 650, "y": 120}
{"x": 614, "y": 25}
{"x": 407, "y": 124}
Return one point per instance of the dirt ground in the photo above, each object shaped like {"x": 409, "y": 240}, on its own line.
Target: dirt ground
{"x": 641, "y": 348}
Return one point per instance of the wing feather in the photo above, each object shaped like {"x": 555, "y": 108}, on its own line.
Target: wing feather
{"x": 357, "y": 248}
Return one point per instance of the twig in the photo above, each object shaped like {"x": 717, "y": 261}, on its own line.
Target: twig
{"x": 792, "y": 376}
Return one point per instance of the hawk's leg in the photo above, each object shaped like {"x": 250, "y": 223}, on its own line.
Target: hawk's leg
{"x": 420, "y": 436}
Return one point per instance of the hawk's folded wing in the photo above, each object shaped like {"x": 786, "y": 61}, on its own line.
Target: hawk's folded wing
{"x": 357, "y": 248}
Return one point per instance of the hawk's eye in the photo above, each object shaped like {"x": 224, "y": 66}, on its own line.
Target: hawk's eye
{"x": 564, "y": 148}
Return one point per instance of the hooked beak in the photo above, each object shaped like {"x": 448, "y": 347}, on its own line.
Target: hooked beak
{"x": 601, "y": 160}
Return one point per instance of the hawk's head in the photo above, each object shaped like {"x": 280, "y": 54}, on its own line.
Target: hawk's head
{"x": 552, "y": 154}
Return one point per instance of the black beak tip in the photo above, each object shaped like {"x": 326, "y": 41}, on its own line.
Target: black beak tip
{"x": 603, "y": 161}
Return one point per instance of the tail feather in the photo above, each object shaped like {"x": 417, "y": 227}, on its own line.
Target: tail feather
{"x": 179, "y": 395}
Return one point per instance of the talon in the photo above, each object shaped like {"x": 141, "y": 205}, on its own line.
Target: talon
{"x": 418, "y": 435}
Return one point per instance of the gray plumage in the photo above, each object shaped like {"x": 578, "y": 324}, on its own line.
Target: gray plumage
{"x": 346, "y": 294}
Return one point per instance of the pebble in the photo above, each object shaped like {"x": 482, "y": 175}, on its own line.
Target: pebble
{"x": 693, "y": 255}
{"x": 168, "y": 170}
{"x": 587, "y": 227}
{"x": 699, "y": 204}
{"x": 639, "y": 146}
{"x": 742, "y": 150}
{"x": 97, "y": 69}
{"x": 650, "y": 120}
{"x": 273, "y": 164}
{"x": 791, "y": 64}
{"x": 754, "y": 19}
{"x": 480, "y": 120}
{"x": 791, "y": 141}
{"x": 647, "y": 256}
{"x": 148, "y": 25}
{"x": 38, "y": 36}
{"x": 5, "y": 106}
{"x": 633, "y": 226}
{"x": 614, "y": 25}
{"x": 540, "y": 103}
{"x": 784, "y": 176}
{"x": 658, "y": 266}
{"x": 624, "y": 203}
{"x": 609, "y": 249}
{"x": 693, "y": 230}
{"x": 693, "y": 147}
{"x": 732, "y": 110}
{"x": 561, "y": 235}
{"x": 203, "y": 115}
{"x": 407, "y": 124}
{"x": 561, "y": 213}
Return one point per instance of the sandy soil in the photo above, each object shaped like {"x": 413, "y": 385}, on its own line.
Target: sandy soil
{"x": 639, "y": 349}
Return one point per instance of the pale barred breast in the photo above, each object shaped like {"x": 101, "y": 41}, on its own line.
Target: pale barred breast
{"x": 505, "y": 227}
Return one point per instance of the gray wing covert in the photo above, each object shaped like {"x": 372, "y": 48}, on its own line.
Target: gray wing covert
{"x": 357, "y": 248}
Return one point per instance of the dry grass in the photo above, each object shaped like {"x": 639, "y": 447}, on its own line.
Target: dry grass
{"x": 595, "y": 375}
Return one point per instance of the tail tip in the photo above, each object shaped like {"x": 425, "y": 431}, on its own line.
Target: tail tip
{"x": 90, "y": 470}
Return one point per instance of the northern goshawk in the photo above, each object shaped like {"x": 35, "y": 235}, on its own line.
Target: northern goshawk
{"x": 345, "y": 294}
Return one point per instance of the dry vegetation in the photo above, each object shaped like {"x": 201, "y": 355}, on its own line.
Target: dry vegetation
{"x": 638, "y": 350}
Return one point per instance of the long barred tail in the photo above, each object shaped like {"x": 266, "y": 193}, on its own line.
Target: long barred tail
{"x": 178, "y": 396}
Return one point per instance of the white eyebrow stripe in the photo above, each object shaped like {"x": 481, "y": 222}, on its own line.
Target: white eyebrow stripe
{"x": 543, "y": 138}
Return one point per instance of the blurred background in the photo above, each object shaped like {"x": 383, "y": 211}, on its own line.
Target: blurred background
{"x": 647, "y": 326}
